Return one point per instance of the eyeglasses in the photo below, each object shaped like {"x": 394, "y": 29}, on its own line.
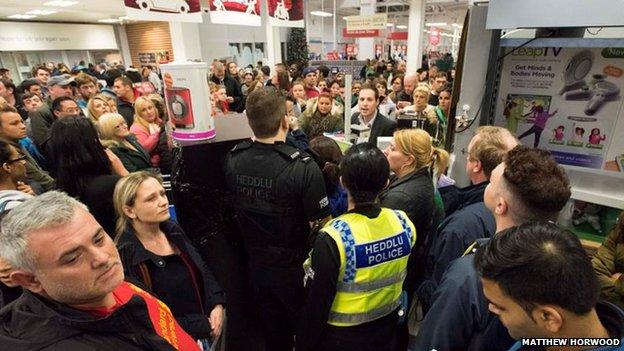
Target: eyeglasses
{"x": 21, "y": 158}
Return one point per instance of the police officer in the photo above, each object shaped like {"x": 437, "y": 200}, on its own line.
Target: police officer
{"x": 278, "y": 193}
{"x": 356, "y": 270}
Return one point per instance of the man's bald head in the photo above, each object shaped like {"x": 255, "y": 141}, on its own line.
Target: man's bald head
{"x": 409, "y": 82}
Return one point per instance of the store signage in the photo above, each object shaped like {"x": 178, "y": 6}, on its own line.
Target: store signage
{"x": 434, "y": 36}
{"x": 164, "y": 10}
{"x": 242, "y": 13}
{"x": 377, "y": 21}
{"x": 397, "y": 36}
{"x": 22, "y": 36}
{"x": 569, "y": 104}
{"x": 351, "y": 49}
{"x": 360, "y": 33}
{"x": 332, "y": 55}
{"x": 285, "y": 13}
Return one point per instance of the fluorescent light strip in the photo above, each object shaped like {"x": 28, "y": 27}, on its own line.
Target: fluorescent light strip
{"x": 60, "y": 3}
{"x": 389, "y": 25}
{"x": 457, "y": 25}
{"x": 109, "y": 20}
{"x": 436, "y": 24}
{"x": 400, "y": 26}
{"x": 19, "y": 16}
{"x": 41, "y": 12}
{"x": 321, "y": 14}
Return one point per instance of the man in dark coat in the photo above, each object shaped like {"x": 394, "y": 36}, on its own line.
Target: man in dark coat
{"x": 75, "y": 296}
{"x": 458, "y": 318}
{"x": 369, "y": 116}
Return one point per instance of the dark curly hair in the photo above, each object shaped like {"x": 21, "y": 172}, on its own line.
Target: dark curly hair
{"x": 537, "y": 182}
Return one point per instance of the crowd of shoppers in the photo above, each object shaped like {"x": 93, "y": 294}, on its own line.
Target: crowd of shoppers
{"x": 344, "y": 246}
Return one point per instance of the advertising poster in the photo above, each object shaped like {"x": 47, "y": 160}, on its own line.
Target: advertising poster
{"x": 239, "y": 12}
{"x": 164, "y": 10}
{"x": 567, "y": 101}
{"x": 285, "y": 13}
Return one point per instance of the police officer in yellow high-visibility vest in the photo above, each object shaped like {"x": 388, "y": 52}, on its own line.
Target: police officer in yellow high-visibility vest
{"x": 356, "y": 269}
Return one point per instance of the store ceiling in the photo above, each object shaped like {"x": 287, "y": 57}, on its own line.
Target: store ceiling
{"x": 91, "y": 11}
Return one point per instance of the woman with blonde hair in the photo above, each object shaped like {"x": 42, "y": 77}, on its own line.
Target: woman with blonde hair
{"x": 97, "y": 106}
{"x": 413, "y": 160}
{"x": 426, "y": 112}
{"x": 111, "y": 101}
{"x": 116, "y": 137}
{"x": 156, "y": 252}
{"x": 147, "y": 127}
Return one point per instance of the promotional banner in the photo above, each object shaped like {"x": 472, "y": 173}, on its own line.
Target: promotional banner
{"x": 285, "y": 13}
{"x": 360, "y": 33}
{"x": 187, "y": 99}
{"x": 240, "y": 12}
{"x": 567, "y": 101}
{"x": 164, "y": 10}
{"x": 376, "y": 21}
{"x": 434, "y": 36}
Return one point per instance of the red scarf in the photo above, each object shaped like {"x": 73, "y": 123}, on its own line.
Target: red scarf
{"x": 160, "y": 316}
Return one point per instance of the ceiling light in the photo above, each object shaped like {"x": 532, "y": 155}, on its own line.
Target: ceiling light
{"x": 123, "y": 18}
{"x": 41, "y": 12}
{"x": 60, "y": 3}
{"x": 389, "y": 25}
{"x": 18, "y": 16}
{"x": 400, "y": 26}
{"x": 109, "y": 20}
{"x": 436, "y": 24}
{"x": 321, "y": 14}
{"x": 456, "y": 25}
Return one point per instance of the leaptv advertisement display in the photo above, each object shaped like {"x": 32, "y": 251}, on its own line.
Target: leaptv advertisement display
{"x": 567, "y": 101}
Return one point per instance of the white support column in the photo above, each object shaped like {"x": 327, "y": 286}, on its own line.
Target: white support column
{"x": 334, "y": 17}
{"x": 185, "y": 41}
{"x": 123, "y": 44}
{"x": 273, "y": 46}
{"x": 415, "y": 33}
{"x": 366, "y": 46}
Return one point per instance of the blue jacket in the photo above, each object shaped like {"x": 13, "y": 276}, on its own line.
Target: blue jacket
{"x": 458, "y": 318}
{"x": 470, "y": 221}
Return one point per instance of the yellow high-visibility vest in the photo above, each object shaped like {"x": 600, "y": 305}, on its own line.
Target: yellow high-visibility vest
{"x": 373, "y": 265}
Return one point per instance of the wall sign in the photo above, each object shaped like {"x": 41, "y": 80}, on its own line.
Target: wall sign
{"x": 360, "y": 33}
{"x": 567, "y": 101}
{"x": 285, "y": 13}
{"x": 376, "y": 21}
{"x": 21, "y": 36}
{"x": 242, "y": 13}
{"x": 164, "y": 10}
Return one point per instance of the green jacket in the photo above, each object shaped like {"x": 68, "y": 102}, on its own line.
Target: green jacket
{"x": 133, "y": 160}
{"x": 34, "y": 173}
{"x": 608, "y": 260}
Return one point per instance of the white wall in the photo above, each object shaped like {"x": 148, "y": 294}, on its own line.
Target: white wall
{"x": 215, "y": 38}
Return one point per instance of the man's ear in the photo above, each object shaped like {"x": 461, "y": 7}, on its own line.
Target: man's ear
{"x": 26, "y": 280}
{"x": 478, "y": 167}
{"x": 548, "y": 318}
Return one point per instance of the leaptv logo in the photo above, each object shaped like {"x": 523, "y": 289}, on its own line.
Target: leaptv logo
{"x": 535, "y": 52}
{"x": 572, "y": 342}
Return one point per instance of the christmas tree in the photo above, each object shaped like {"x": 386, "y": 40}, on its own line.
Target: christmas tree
{"x": 298, "y": 46}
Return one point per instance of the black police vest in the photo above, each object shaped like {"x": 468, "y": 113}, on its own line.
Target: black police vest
{"x": 274, "y": 229}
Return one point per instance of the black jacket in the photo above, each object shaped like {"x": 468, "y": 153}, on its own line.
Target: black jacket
{"x": 382, "y": 126}
{"x": 98, "y": 196}
{"x": 126, "y": 109}
{"x": 33, "y": 323}
{"x": 41, "y": 122}
{"x": 133, "y": 160}
{"x": 233, "y": 90}
{"x": 133, "y": 254}
{"x": 413, "y": 194}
